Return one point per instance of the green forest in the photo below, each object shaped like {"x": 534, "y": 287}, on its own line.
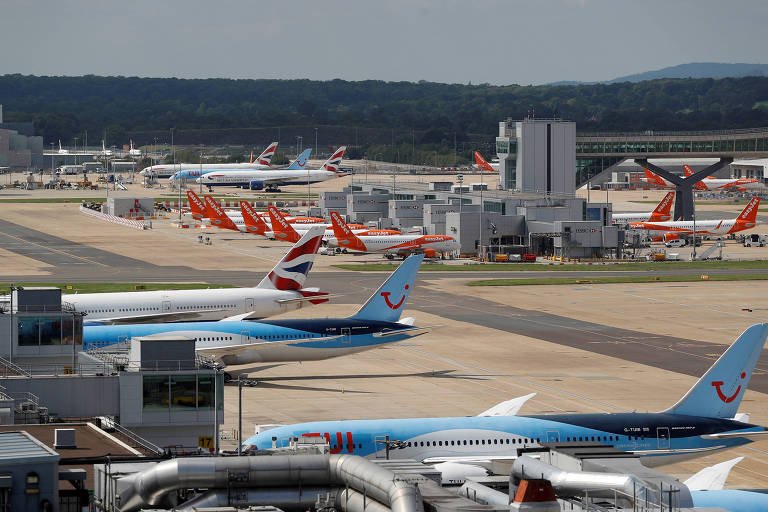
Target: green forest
{"x": 415, "y": 118}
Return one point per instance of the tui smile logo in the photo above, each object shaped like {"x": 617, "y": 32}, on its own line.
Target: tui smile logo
{"x": 389, "y": 302}
{"x": 727, "y": 399}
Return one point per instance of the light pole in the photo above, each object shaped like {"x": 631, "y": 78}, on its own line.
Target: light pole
{"x": 693, "y": 254}
{"x": 460, "y": 179}
{"x": 299, "y": 144}
{"x": 309, "y": 188}
{"x": 315, "y": 142}
{"x": 482, "y": 206}
{"x": 76, "y": 149}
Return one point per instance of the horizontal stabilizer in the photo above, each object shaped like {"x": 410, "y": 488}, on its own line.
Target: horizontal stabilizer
{"x": 322, "y": 297}
{"x": 238, "y": 318}
{"x": 508, "y": 407}
{"x": 755, "y": 436}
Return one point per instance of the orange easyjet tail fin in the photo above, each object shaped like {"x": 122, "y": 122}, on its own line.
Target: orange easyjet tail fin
{"x": 196, "y": 206}
{"x": 653, "y": 178}
{"x": 687, "y": 169}
{"x": 218, "y": 217}
{"x": 663, "y": 209}
{"x": 252, "y": 220}
{"x": 344, "y": 236}
{"x": 749, "y": 214}
{"x": 482, "y": 163}
{"x": 281, "y": 228}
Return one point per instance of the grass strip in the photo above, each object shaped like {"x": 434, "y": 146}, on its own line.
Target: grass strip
{"x": 115, "y": 287}
{"x": 618, "y": 279}
{"x": 573, "y": 267}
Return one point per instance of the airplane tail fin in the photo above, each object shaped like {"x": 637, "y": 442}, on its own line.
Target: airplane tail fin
{"x": 291, "y": 271}
{"x": 333, "y": 163}
{"x": 252, "y": 220}
{"x": 301, "y": 160}
{"x": 482, "y": 163}
{"x": 388, "y": 302}
{"x": 251, "y": 159}
{"x": 281, "y": 228}
{"x": 265, "y": 158}
{"x": 748, "y": 215}
{"x": 663, "y": 210}
{"x": 218, "y": 217}
{"x": 344, "y": 236}
{"x": 653, "y": 178}
{"x": 719, "y": 392}
{"x": 687, "y": 169}
{"x": 196, "y": 206}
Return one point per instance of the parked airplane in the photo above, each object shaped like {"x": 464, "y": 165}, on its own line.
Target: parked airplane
{"x": 699, "y": 424}
{"x": 747, "y": 219}
{"x": 282, "y": 229}
{"x": 712, "y": 183}
{"x": 193, "y": 173}
{"x": 230, "y": 341}
{"x": 168, "y": 170}
{"x": 482, "y": 163}
{"x": 258, "y": 180}
{"x": 662, "y": 212}
{"x": 281, "y": 290}
{"x": 656, "y": 180}
{"x": 391, "y": 245}
{"x": 104, "y": 150}
{"x": 133, "y": 151}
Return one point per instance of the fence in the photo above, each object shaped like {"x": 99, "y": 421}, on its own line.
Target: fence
{"x": 111, "y": 218}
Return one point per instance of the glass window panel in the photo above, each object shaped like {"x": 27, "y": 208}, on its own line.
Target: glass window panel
{"x": 50, "y": 331}
{"x": 184, "y": 393}
{"x": 29, "y": 332}
{"x": 205, "y": 392}
{"x": 155, "y": 393}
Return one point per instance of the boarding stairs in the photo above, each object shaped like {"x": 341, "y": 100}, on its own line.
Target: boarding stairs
{"x": 707, "y": 254}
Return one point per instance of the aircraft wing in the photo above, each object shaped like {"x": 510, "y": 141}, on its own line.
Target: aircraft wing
{"x": 482, "y": 461}
{"x": 137, "y": 319}
{"x": 712, "y": 478}
{"x": 232, "y": 350}
{"x": 407, "y": 331}
{"x": 509, "y": 407}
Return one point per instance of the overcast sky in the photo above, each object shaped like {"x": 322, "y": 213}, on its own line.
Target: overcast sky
{"x": 454, "y": 41}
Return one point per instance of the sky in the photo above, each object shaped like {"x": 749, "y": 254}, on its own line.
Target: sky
{"x": 451, "y": 41}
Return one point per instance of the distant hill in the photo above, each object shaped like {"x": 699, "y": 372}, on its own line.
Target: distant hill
{"x": 691, "y": 70}
{"x": 698, "y": 70}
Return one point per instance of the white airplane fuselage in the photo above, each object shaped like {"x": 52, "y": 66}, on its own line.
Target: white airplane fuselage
{"x": 188, "y": 303}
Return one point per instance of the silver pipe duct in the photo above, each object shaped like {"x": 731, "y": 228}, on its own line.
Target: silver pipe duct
{"x": 153, "y": 487}
{"x": 291, "y": 499}
{"x": 576, "y": 482}
{"x": 349, "y": 500}
{"x": 483, "y": 494}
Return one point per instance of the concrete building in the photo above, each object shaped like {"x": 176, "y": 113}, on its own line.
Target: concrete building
{"x": 537, "y": 156}
{"x": 756, "y": 168}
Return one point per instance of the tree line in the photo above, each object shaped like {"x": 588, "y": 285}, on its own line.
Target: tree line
{"x": 426, "y": 116}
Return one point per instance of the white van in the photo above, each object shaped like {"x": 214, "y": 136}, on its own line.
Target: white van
{"x": 676, "y": 242}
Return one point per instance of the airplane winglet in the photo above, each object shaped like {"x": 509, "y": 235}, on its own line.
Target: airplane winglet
{"x": 508, "y": 407}
{"x": 712, "y": 478}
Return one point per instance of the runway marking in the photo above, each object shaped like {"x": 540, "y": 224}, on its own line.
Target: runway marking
{"x": 51, "y": 249}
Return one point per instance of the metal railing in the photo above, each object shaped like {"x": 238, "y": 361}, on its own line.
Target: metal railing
{"x": 109, "y": 422}
{"x": 10, "y": 368}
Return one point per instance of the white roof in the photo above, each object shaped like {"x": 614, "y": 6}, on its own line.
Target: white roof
{"x": 755, "y": 161}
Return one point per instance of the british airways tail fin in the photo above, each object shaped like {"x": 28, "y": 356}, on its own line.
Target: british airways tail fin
{"x": 265, "y": 158}
{"x": 301, "y": 160}
{"x": 333, "y": 163}
{"x": 388, "y": 302}
{"x": 291, "y": 271}
{"x": 719, "y": 392}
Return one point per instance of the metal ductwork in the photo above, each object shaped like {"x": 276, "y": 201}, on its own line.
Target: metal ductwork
{"x": 575, "y": 482}
{"x": 289, "y": 499}
{"x": 155, "y": 487}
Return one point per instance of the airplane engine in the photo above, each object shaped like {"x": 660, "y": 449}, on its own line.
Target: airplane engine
{"x": 430, "y": 253}
{"x": 668, "y": 237}
{"x": 256, "y": 185}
